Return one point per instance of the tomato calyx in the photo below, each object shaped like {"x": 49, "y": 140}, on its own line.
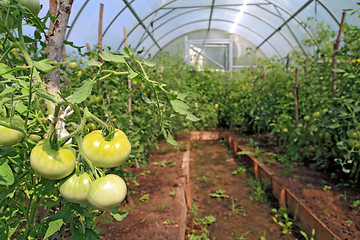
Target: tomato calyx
{"x": 108, "y": 133}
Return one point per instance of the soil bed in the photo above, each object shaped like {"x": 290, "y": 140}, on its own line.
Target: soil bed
{"x": 329, "y": 201}
{"x": 217, "y": 191}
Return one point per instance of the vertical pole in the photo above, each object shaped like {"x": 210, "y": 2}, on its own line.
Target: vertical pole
{"x": 100, "y": 25}
{"x": 264, "y": 73}
{"x": 129, "y": 81}
{"x": 287, "y": 62}
{"x": 336, "y": 47}
{"x": 231, "y": 55}
{"x": 187, "y": 50}
{"x": 296, "y": 96}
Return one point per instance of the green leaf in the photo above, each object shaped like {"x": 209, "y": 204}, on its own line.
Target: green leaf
{"x": 93, "y": 63}
{"x": 149, "y": 63}
{"x": 147, "y": 100}
{"x": 54, "y": 226}
{"x": 129, "y": 52}
{"x": 334, "y": 125}
{"x": 118, "y": 216}
{"x": 6, "y": 174}
{"x": 46, "y": 95}
{"x": 20, "y": 108}
{"x": 192, "y": 117}
{"x": 44, "y": 66}
{"x": 168, "y": 137}
{"x": 81, "y": 93}
{"x": 132, "y": 74}
{"x": 112, "y": 58}
{"x": 179, "y": 106}
{"x": 182, "y": 96}
{"x": 6, "y": 91}
{"x": 338, "y": 70}
{"x": 90, "y": 234}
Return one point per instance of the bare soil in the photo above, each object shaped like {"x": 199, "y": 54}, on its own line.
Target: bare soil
{"x": 158, "y": 213}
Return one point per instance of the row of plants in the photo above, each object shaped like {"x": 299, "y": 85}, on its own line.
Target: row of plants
{"x": 261, "y": 100}
{"x": 63, "y": 153}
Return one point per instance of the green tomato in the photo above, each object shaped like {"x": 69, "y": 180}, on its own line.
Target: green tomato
{"x": 50, "y": 163}
{"x": 97, "y": 99}
{"x": 103, "y": 153}
{"x": 352, "y": 134}
{"x": 354, "y": 143}
{"x": 9, "y": 136}
{"x": 76, "y": 188}
{"x": 91, "y": 126}
{"x": 316, "y": 115}
{"x": 285, "y": 130}
{"x": 79, "y": 73}
{"x": 32, "y": 5}
{"x": 107, "y": 192}
{"x": 307, "y": 118}
{"x": 72, "y": 65}
{"x": 35, "y": 138}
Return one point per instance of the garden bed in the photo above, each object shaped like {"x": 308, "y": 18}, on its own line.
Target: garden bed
{"x": 314, "y": 200}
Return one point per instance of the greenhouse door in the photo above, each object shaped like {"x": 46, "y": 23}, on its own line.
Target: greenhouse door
{"x": 216, "y": 53}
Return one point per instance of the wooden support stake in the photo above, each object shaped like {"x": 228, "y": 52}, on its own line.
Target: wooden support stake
{"x": 256, "y": 170}
{"x": 264, "y": 73}
{"x": 282, "y": 199}
{"x": 129, "y": 81}
{"x": 296, "y": 96}
{"x": 336, "y": 47}
{"x": 100, "y": 25}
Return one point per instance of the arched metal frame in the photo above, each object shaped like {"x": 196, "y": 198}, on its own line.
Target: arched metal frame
{"x": 280, "y": 12}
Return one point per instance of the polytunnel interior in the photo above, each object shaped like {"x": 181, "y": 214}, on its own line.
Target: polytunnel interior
{"x": 226, "y": 28}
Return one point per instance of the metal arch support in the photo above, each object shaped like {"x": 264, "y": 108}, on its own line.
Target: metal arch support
{"x": 163, "y": 7}
{"x": 220, "y": 20}
{"x": 285, "y": 23}
{"x": 114, "y": 19}
{"x": 257, "y": 17}
{"x": 75, "y": 19}
{"x": 141, "y": 22}
{"x": 329, "y": 12}
{"x": 211, "y": 13}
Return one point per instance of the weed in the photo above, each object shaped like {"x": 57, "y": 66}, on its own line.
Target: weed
{"x": 258, "y": 193}
{"x": 207, "y": 220}
{"x": 283, "y": 220}
{"x": 309, "y": 185}
{"x": 327, "y": 187}
{"x": 220, "y": 193}
{"x": 349, "y": 222}
{"x": 173, "y": 193}
{"x": 356, "y": 204}
{"x": 239, "y": 171}
{"x": 237, "y": 208}
{"x": 145, "y": 172}
{"x": 169, "y": 222}
{"x": 325, "y": 211}
{"x": 135, "y": 182}
{"x": 306, "y": 236}
{"x": 144, "y": 198}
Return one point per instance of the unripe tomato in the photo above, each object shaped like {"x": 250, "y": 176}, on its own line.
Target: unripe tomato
{"x": 76, "y": 188}
{"x": 73, "y": 65}
{"x": 107, "y": 192}
{"x": 316, "y": 115}
{"x": 97, "y": 99}
{"x": 35, "y": 138}
{"x": 307, "y": 118}
{"x": 354, "y": 143}
{"x": 50, "y": 163}
{"x": 103, "y": 153}
{"x": 79, "y": 74}
{"x": 352, "y": 134}
{"x": 9, "y": 136}
{"x": 285, "y": 130}
{"x": 32, "y": 5}
{"x": 91, "y": 126}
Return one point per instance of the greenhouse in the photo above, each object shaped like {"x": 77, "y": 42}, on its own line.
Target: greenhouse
{"x": 178, "y": 119}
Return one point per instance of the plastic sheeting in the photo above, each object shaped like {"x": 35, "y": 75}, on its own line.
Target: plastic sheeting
{"x": 274, "y": 27}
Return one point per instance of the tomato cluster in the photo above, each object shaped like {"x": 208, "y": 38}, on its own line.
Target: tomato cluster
{"x": 103, "y": 192}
